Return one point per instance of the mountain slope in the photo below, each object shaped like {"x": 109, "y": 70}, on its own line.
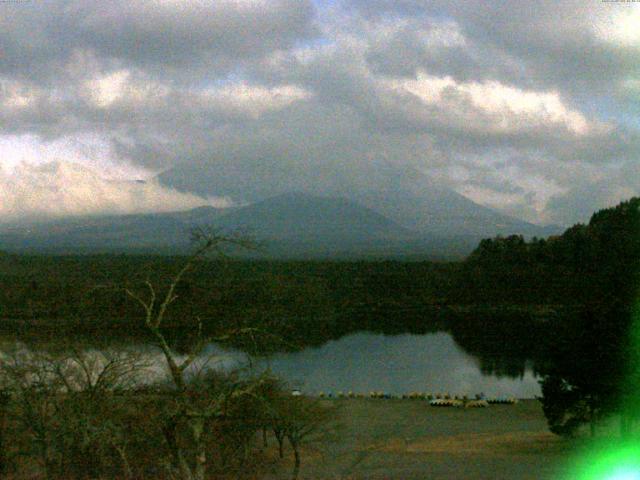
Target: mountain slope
{"x": 107, "y": 233}
{"x": 297, "y": 215}
{"x": 288, "y": 226}
{"x": 402, "y": 194}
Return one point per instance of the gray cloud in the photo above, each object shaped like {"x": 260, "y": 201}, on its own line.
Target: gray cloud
{"x": 579, "y": 203}
{"x": 166, "y": 37}
{"x": 511, "y": 103}
{"x": 569, "y": 45}
{"x": 593, "y": 188}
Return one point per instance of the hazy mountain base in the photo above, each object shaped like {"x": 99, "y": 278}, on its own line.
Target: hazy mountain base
{"x": 72, "y": 242}
{"x": 290, "y": 226}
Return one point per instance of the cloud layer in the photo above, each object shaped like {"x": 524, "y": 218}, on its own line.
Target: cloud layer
{"x": 51, "y": 190}
{"x": 529, "y": 107}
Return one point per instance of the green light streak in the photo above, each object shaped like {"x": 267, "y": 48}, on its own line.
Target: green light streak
{"x": 615, "y": 461}
{"x": 614, "y": 458}
{"x": 622, "y": 474}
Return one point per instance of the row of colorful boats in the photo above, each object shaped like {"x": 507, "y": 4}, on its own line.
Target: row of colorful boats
{"x": 436, "y": 400}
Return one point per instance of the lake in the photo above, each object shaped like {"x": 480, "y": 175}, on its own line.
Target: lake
{"x": 394, "y": 364}
{"x": 361, "y": 362}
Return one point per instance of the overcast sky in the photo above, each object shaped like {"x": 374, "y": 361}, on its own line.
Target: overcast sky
{"x": 531, "y": 107}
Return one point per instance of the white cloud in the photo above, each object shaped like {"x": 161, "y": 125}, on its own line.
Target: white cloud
{"x": 16, "y": 95}
{"x": 105, "y": 90}
{"x": 253, "y": 100}
{"x": 60, "y": 189}
{"x": 90, "y": 150}
{"x": 444, "y": 35}
{"x": 125, "y": 88}
{"x": 492, "y": 106}
{"x": 621, "y": 26}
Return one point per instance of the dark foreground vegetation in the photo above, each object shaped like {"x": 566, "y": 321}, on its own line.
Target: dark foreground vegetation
{"x": 89, "y": 414}
{"x": 84, "y": 415}
{"x": 565, "y": 304}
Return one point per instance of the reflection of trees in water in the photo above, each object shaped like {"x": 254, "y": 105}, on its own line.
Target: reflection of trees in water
{"x": 503, "y": 367}
{"x": 506, "y": 343}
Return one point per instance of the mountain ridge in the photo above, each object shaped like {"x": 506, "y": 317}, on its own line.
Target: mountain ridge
{"x": 403, "y": 194}
{"x": 290, "y": 225}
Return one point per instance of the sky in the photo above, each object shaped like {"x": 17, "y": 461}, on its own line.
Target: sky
{"x": 529, "y": 107}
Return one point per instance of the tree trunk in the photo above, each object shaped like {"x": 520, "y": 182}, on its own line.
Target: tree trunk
{"x": 126, "y": 466}
{"x": 264, "y": 437}
{"x": 185, "y": 470}
{"x": 280, "y": 447}
{"x": 197, "y": 429}
{"x": 246, "y": 450}
{"x": 48, "y": 464}
{"x": 179, "y": 464}
{"x": 296, "y": 457}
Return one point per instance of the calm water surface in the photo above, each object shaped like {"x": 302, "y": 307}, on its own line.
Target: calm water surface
{"x": 394, "y": 364}
{"x": 362, "y": 362}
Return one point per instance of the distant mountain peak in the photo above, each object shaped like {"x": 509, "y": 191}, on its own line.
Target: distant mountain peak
{"x": 401, "y": 193}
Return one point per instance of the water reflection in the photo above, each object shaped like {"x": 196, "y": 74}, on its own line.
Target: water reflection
{"x": 396, "y": 364}
{"x": 361, "y": 362}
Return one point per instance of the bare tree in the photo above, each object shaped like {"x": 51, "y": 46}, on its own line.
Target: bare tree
{"x": 297, "y": 419}
{"x": 94, "y": 372}
{"x": 191, "y": 410}
{"x": 32, "y": 386}
{"x": 63, "y": 403}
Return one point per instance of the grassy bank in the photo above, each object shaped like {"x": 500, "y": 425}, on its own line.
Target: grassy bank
{"x": 408, "y": 439}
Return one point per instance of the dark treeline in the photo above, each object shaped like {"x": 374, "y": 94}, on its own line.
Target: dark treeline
{"x": 323, "y": 299}
{"x": 297, "y": 303}
{"x": 588, "y": 278}
{"x": 587, "y": 263}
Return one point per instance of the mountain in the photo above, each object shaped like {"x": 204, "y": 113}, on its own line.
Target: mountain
{"x": 402, "y": 194}
{"x": 301, "y": 216}
{"x": 165, "y": 231}
{"x": 294, "y": 225}
{"x": 407, "y": 216}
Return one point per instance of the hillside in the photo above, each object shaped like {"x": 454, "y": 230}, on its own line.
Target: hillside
{"x": 293, "y": 225}
{"x": 403, "y": 195}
